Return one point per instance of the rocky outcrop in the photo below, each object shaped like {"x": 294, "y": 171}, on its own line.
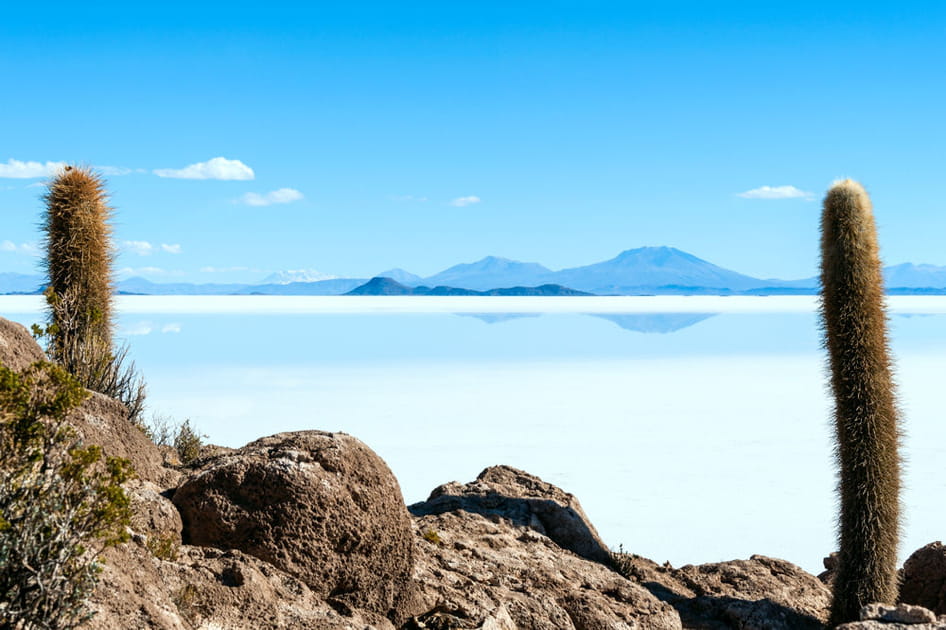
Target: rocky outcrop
{"x": 923, "y": 579}
{"x": 488, "y": 560}
{"x": 18, "y": 349}
{"x": 760, "y": 593}
{"x": 322, "y": 507}
{"x": 899, "y": 617}
{"x": 208, "y": 588}
{"x": 526, "y": 501}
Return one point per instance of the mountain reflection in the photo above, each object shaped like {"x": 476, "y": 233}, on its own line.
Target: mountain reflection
{"x": 648, "y": 323}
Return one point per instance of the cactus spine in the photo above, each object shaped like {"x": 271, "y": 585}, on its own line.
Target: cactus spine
{"x": 79, "y": 265}
{"x": 866, "y": 417}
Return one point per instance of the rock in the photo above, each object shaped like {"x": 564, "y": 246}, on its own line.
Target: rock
{"x": 760, "y": 593}
{"x": 924, "y": 578}
{"x": 525, "y": 500}
{"x": 18, "y": 349}
{"x": 901, "y": 613}
{"x": 485, "y": 554}
{"x": 208, "y": 588}
{"x": 830, "y": 568}
{"x": 322, "y": 507}
{"x": 104, "y": 421}
{"x": 154, "y": 516}
{"x": 899, "y": 617}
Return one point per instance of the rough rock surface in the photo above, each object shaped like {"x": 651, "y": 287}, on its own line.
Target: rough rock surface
{"x": 18, "y": 349}
{"x": 210, "y": 589}
{"x": 526, "y": 501}
{"x": 924, "y": 578}
{"x": 760, "y": 593}
{"x": 899, "y": 617}
{"x": 487, "y": 560}
{"x": 320, "y": 506}
{"x": 103, "y": 421}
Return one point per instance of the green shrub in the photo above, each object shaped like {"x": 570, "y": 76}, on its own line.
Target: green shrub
{"x": 188, "y": 443}
{"x": 61, "y": 502}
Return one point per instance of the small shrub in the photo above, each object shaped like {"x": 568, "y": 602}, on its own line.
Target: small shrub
{"x": 432, "y": 536}
{"x": 61, "y": 502}
{"x": 187, "y": 601}
{"x": 162, "y": 546}
{"x": 188, "y": 443}
{"x": 160, "y": 430}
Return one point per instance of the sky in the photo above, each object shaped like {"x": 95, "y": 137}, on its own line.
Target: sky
{"x": 238, "y": 139}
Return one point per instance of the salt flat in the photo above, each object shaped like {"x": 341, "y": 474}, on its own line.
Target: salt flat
{"x": 263, "y": 304}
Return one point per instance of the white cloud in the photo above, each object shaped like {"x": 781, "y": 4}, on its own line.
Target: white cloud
{"x": 30, "y": 249}
{"x": 142, "y": 248}
{"x": 776, "y": 192}
{"x": 138, "y": 328}
{"x": 118, "y": 170}
{"x": 282, "y": 195}
{"x": 15, "y": 169}
{"x": 461, "y": 202}
{"x": 216, "y": 168}
{"x": 171, "y": 328}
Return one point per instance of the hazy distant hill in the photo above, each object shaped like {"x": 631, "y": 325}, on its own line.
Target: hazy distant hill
{"x": 20, "y": 283}
{"x": 402, "y": 276}
{"x": 489, "y": 273}
{"x": 637, "y": 270}
{"x": 297, "y": 275}
{"x": 641, "y": 271}
{"x": 388, "y": 286}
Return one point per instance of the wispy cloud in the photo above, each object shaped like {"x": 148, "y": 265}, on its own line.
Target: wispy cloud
{"x": 112, "y": 171}
{"x": 408, "y": 198}
{"x": 30, "y": 249}
{"x": 215, "y": 168}
{"x": 461, "y": 202}
{"x": 15, "y": 169}
{"x": 776, "y": 192}
{"x": 146, "y": 328}
{"x": 171, "y": 328}
{"x": 144, "y": 248}
{"x": 282, "y": 195}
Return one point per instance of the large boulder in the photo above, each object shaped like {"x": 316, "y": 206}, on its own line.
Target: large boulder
{"x": 488, "y": 560}
{"x": 760, "y": 593}
{"x": 899, "y": 617}
{"x": 200, "y": 587}
{"x": 18, "y": 349}
{"x": 320, "y": 506}
{"x": 526, "y": 501}
{"x": 924, "y": 578}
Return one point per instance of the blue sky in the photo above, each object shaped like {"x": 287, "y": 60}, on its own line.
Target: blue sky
{"x": 360, "y": 136}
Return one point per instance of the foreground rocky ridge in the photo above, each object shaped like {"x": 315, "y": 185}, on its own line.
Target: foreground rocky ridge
{"x": 309, "y": 530}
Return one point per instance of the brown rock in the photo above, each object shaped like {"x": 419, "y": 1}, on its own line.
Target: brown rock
{"x": 924, "y": 578}
{"x": 104, "y": 421}
{"x": 899, "y": 617}
{"x": 153, "y": 515}
{"x": 526, "y": 501}
{"x": 18, "y": 349}
{"x": 759, "y": 593}
{"x": 322, "y": 507}
{"x": 484, "y": 555}
{"x": 208, "y": 588}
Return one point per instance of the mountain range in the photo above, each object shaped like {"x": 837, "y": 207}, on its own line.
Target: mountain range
{"x": 641, "y": 271}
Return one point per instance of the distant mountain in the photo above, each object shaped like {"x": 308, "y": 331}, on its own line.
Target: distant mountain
{"x": 913, "y": 276}
{"x": 404, "y": 277}
{"x": 637, "y": 270}
{"x": 297, "y": 275}
{"x": 337, "y": 286}
{"x": 388, "y": 286}
{"x": 20, "y": 283}
{"x": 491, "y": 272}
{"x": 139, "y": 285}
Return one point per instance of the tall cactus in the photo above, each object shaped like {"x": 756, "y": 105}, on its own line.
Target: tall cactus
{"x": 866, "y": 416}
{"x": 79, "y": 265}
